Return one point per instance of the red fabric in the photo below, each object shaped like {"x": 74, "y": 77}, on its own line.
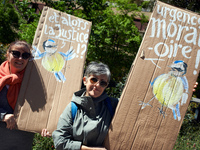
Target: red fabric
{"x": 13, "y": 80}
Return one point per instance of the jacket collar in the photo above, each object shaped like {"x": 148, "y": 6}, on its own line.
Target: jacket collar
{"x": 87, "y": 102}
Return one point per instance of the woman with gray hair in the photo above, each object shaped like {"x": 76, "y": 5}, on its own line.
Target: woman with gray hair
{"x": 94, "y": 110}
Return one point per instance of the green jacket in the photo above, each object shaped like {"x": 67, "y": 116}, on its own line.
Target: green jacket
{"x": 90, "y": 125}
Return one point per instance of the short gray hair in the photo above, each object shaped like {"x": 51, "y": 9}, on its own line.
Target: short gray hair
{"x": 95, "y": 68}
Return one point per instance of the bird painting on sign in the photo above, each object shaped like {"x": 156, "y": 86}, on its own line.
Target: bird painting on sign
{"x": 171, "y": 88}
{"x": 52, "y": 60}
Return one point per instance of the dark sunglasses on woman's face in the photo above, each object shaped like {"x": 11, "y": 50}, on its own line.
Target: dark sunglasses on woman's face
{"x": 17, "y": 54}
{"x": 94, "y": 80}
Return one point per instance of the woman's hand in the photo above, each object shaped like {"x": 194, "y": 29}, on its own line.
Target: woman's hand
{"x": 45, "y": 133}
{"x": 195, "y": 86}
{"x": 10, "y": 121}
{"x": 83, "y": 147}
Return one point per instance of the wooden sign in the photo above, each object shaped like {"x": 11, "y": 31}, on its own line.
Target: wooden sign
{"x": 56, "y": 71}
{"x": 159, "y": 87}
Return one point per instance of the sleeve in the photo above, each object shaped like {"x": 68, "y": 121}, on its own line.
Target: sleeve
{"x": 63, "y": 135}
{"x": 2, "y": 116}
{"x": 3, "y": 112}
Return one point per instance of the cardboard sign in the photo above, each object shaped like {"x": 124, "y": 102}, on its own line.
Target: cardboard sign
{"x": 159, "y": 87}
{"x": 55, "y": 73}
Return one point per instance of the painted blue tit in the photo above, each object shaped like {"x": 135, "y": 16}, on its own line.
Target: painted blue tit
{"x": 52, "y": 60}
{"x": 170, "y": 88}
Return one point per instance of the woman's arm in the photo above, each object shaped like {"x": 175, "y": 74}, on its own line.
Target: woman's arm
{"x": 63, "y": 135}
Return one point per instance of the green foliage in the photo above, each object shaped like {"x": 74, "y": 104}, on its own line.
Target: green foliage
{"x": 28, "y": 31}
{"x": 188, "y": 137}
{"x": 26, "y": 12}
{"x": 3, "y": 49}
{"x": 17, "y": 23}
{"x": 42, "y": 143}
{"x": 188, "y": 122}
{"x": 28, "y": 24}
{"x": 90, "y": 7}
{"x": 114, "y": 40}
{"x": 193, "y": 5}
{"x": 9, "y": 21}
{"x": 125, "y": 7}
{"x": 67, "y": 6}
{"x": 116, "y": 90}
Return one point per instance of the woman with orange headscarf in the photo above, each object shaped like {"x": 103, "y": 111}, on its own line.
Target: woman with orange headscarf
{"x": 11, "y": 76}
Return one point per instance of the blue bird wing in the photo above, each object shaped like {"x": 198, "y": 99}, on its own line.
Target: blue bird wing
{"x": 69, "y": 54}
{"x": 37, "y": 54}
{"x": 185, "y": 83}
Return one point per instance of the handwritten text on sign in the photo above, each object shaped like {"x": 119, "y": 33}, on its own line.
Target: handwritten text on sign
{"x": 161, "y": 29}
{"x": 74, "y": 34}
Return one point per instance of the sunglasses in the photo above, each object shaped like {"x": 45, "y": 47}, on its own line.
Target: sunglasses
{"x": 17, "y": 54}
{"x": 101, "y": 83}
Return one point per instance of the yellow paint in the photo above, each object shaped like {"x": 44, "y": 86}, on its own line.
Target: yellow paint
{"x": 168, "y": 89}
{"x": 53, "y": 63}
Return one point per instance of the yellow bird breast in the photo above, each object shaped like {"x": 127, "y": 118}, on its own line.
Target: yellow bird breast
{"x": 53, "y": 63}
{"x": 168, "y": 89}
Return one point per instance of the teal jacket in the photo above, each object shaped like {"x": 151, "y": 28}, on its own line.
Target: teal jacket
{"x": 90, "y": 125}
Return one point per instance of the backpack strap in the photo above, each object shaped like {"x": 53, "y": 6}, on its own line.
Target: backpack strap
{"x": 109, "y": 105}
{"x": 73, "y": 110}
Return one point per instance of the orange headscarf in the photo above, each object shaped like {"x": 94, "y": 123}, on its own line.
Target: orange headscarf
{"x": 13, "y": 80}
